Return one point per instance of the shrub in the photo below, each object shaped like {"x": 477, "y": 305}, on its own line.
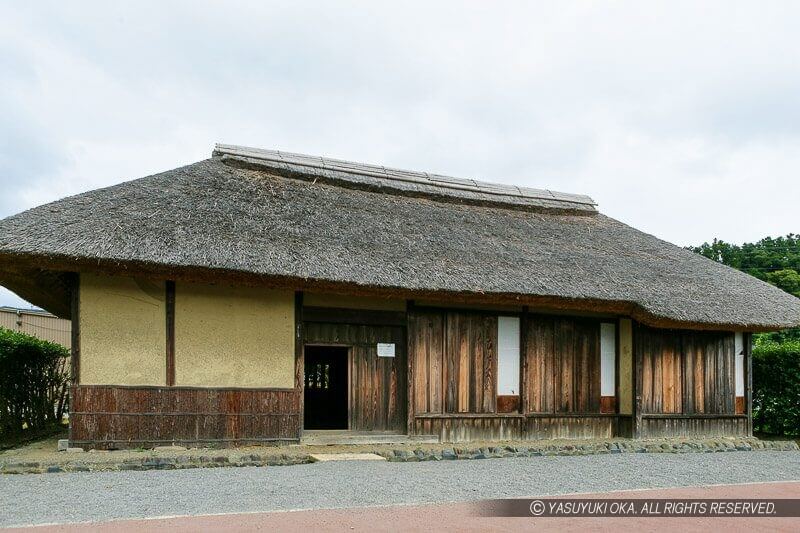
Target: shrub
{"x": 776, "y": 387}
{"x": 34, "y": 380}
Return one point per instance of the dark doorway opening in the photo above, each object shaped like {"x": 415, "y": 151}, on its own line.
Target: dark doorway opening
{"x": 326, "y": 387}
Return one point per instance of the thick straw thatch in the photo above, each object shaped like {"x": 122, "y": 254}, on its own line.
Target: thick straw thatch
{"x": 247, "y": 218}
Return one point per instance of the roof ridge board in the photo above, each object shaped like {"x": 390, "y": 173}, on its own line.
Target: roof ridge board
{"x": 543, "y": 192}
{"x": 434, "y": 180}
{"x": 588, "y": 206}
{"x": 427, "y": 190}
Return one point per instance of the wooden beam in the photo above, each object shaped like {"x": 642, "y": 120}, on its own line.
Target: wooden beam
{"x": 411, "y": 344}
{"x": 617, "y": 348}
{"x": 208, "y": 274}
{"x": 573, "y": 415}
{"x": 523, "y": 355}
{"x": 636, "y": 430}
{"x": 748, "y": 383}
{"x": 696, "y": 416}
{"x": 170, "y": 390}
{"x": 332, "y": 315}
{"x": 299, "y": 358}
{"x": 170, "y": 307}
{"x": 75, "y": 359}
{"x": 75, "y": 309}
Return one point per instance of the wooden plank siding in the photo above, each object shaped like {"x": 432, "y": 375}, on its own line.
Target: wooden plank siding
{"x": 426, "y": 340}
{"x": 453, "y": 362}
{"x": 465, "y": 427}
{"x": 113, "y": 416}
{"x": 562, "y": 361}
{"x": 508, "y": 403}
{"x": 378, "y": 385}
{"x": 470, "y": 372}
{"x": 560, "y": 426}
{"x": 687, "y": 384}
{"x": 693, "y": 426}
{"x": 686, "y": 372}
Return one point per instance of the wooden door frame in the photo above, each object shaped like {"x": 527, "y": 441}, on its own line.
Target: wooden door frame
{"x": 349, "y": 348}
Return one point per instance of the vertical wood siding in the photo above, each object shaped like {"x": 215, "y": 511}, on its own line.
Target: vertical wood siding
{"x": 686, "y": 372}
{"x": 464, "y": 428}
{"x": 471, "y": 370}
{"x": 426, "y": 341}
{"x": 106, "y": 417}
{"x": 378, "y": 385}
{"x": 455, "y": 361}
{"x": 562, "y": 365}
{"x": 665, "y": 426}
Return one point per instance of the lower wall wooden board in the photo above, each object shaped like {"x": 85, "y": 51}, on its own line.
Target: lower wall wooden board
{"x": 740, "y": 405}
{"x": 608, "y": 404}
{"x": 654, "y": 427}
{"x": 572, "y": 427}
{"x": 465, "y": 428}
{"x": 110, "y": 417}
{"x": 508, "y": 403}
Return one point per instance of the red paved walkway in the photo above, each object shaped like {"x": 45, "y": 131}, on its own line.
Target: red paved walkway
{"x": 458, "y": 517}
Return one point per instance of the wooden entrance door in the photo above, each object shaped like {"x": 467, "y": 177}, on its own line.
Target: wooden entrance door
{"x": 378, "y": 385}
{"x": 325, "y": 393}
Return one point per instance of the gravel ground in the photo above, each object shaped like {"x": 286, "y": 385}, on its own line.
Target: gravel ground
{"x": 77, "y": 497}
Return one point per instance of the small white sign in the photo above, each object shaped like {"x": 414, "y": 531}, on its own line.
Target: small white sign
{"x": 385, "y": 350}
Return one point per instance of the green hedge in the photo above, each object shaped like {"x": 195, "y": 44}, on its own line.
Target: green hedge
{"x": 776, "y": 387}
{"x": 34, "y": 379}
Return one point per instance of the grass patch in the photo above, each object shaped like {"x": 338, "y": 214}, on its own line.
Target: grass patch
{"x": 9, "y": 442}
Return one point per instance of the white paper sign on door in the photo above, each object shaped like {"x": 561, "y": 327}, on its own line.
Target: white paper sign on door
{"x": 385, "y": 350}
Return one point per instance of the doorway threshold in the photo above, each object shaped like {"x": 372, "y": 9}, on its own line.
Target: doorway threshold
{"x": 331, "y": 437}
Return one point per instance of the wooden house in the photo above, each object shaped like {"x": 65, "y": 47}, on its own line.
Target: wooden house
{"x": 258, "y": 295}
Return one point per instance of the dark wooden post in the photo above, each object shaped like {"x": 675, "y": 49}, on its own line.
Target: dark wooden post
{"x": 617, "y": 351}
{"x": 299, "y": 357}
{"x": 411, "y": 343}
{"x": 75, "y": 310}
{"x": 524, "y": 388}
{"x": 170, "y": 305}
{"x": 75, "y": 359}
{"x": 523, "y": 363}
{"x": 748, "y": 383}
{"x": 636, "y": 432}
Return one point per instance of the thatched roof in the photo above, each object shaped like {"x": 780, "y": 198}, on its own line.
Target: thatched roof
{"x": 267, "y": 217}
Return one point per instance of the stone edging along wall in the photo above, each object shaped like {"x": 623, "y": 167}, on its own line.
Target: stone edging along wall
{"x": 219, "y": 458}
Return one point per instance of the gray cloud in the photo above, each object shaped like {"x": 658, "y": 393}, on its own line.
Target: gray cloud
{"x": 679, "y": 118}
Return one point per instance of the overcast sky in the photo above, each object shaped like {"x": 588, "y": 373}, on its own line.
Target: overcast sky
{"x": 679, "y": 118}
